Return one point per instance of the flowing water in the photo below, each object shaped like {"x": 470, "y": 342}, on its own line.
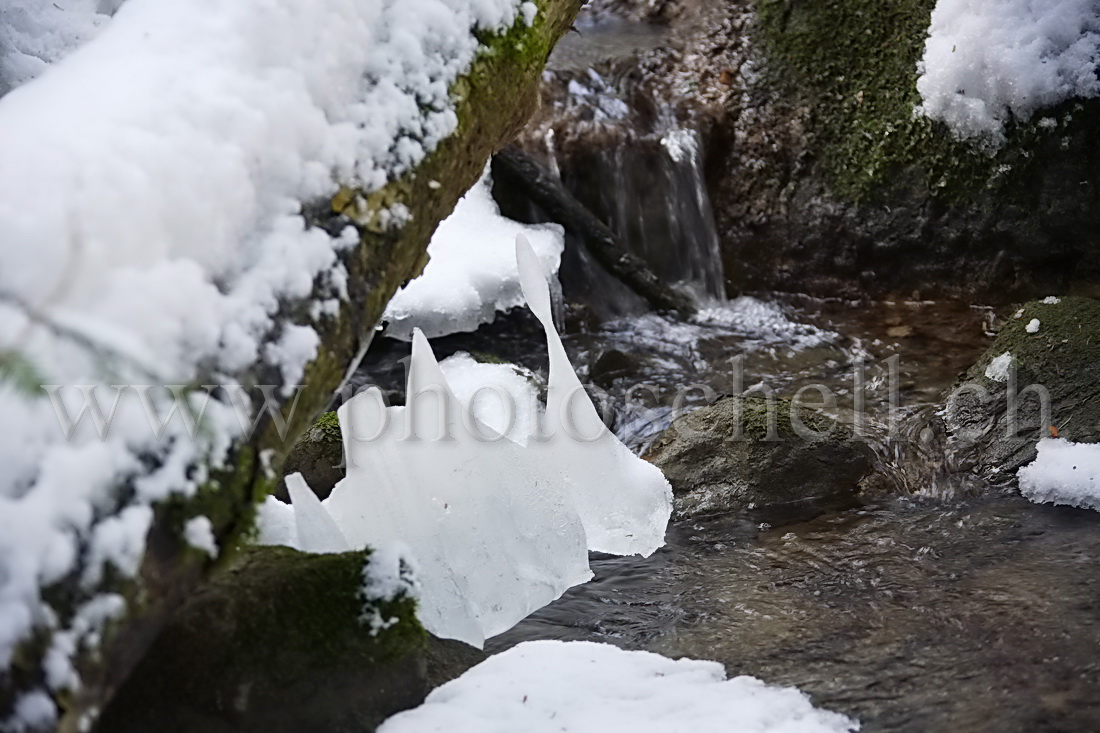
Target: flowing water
{"x": 911, "y": 612}
{"x": 916, "y": 611}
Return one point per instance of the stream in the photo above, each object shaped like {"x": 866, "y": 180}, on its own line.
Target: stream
{"x": 931, "y": 605}
{"x": 918, "y": 610}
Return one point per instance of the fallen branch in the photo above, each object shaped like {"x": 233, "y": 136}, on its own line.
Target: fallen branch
{"x": 513, "y": 167}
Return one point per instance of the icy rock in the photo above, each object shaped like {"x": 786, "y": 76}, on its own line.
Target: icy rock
{"x": 496, "y": 508}
{"x": 492, "y": 534}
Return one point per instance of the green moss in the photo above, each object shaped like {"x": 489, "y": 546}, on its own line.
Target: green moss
{"x": 310, "y": 605}
{"x": 759, "y": 416}
{"x": 326, "y": 429}
{"x": 1067, "y": 342}
{"x": 854, "y": 62}
{"x": 484, "y": 357}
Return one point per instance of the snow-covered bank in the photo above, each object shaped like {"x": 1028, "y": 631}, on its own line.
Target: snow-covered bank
{"x": 151, "y": 232}
{"x": 991, "y": 61}
{"x": 583, "y": 687}
{"x": 1063, "y": 473}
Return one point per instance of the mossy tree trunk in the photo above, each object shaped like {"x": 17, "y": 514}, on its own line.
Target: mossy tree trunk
{"x": 493, "y": 102}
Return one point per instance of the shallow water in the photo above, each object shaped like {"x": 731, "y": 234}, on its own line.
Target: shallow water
{"x": 912, "y": 615}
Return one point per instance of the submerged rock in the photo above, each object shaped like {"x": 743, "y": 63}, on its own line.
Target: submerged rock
{"x": 1048, "y": 354}
{"x": 738, "y": 454}
{"x": 281, "y": 641}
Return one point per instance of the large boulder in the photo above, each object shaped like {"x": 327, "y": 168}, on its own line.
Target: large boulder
{"x": 1048, "y": 351}
{"x": 740, "y": 453}
{"x": 821, "y": 176}
{"x": 282, "y": 642}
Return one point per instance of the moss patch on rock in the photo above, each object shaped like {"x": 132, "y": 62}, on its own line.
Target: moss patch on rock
{"x": 318, "y": 456}
{"x": 856, "y": 62}
{"x": 277, "y": 642}
{"x": 996, "y": 422}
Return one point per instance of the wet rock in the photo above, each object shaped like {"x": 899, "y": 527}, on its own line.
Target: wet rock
{"x": 318, "y": 456}
{"x": 739, "y": 454}
{"x": 610, "y": 365}
{"x": 278, "y": 643}
{"x": 1049, "y": 351}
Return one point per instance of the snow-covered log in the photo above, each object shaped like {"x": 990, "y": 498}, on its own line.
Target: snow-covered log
{"x": 209, "y": 193}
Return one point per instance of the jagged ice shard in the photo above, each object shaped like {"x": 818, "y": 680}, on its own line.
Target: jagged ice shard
{"x": 496, "y": 521}
{"x": 624, "y": 502}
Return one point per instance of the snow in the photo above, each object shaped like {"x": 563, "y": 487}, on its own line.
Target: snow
{"x": 472, "y": 271}
{"x": 36, "y": 33}
{"x": 1032, "y": 326}
{"x": 388, "y": 574}
{"x": 503, "y": 397}
{"x": 529, "y": 11}
{"x": 151, "y": 233}
{"x": 990, "y": 61}
{"x": 199, "y": 533}
{"x": 498, "y": 513}
{"x": 998, "y": 368}
{"x": 1064, "y": 472}
{"x": 584, "y": 687}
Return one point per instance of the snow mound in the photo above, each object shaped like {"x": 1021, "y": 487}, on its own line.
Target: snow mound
{"x": 988, "y": 61}
{"x": 999, "y": 368}
{"x": 584, "y": 687}
{"x": 1064, "y": 472}
{"x": 472, "y": 272}
{"x": 502, "y": 396}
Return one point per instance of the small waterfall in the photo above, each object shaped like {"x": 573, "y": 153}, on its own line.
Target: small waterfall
{"x": 650, "y": 191}
{"x": 641, "y": 172}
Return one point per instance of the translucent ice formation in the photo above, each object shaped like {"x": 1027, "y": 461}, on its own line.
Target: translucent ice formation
{"x": 492, "y": 536}
{"x": 624, "y": 502}
{"x": 496, "y": 502}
